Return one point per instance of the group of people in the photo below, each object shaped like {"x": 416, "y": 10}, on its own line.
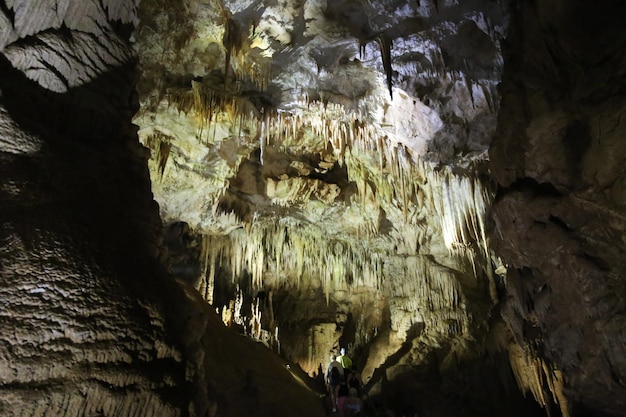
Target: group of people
{"x": 344, "y": 384}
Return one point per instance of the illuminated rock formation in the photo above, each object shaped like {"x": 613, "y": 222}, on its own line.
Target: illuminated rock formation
{"x": 305, "y": 174}
{"x": 435, "y": 185}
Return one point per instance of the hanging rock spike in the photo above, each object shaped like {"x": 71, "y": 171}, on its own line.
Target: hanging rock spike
{"x": 385, "y": 44}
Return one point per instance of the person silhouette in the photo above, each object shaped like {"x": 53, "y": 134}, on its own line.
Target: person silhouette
{"x": 344, "y": 359}
{"x": 353, "y": 379}
{"x": 334, "y": 376}
{"x": 353, "y": 404}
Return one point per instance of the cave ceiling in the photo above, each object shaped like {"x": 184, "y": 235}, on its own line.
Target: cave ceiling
{"x": 336, "y": 149}
{"x": 312, "y": 114}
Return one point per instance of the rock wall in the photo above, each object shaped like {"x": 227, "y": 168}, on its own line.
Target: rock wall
{"x": 559, "y": 214}
{"x": 90, "y": 322}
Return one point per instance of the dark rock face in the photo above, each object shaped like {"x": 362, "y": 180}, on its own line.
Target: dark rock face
{"x": 83, "y": 332}
{"x": 559, "y": 215}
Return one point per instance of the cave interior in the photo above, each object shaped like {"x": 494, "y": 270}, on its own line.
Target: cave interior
{"x": 202, "y": 200}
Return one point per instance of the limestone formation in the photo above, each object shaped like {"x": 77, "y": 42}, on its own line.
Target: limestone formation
{"x": 437, "y": 186}
{"x": 91, "y": 322}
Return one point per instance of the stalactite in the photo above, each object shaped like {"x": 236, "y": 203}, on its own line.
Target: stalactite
{"x": 488, "y": 97}
{"x": 385, "y": 44}
{"x": 461, "y": 206}
{"x": 534, "y": 375}
{"x": 206, "y": 102}
{"x": 255, "y": 251}
{"x": 232, "y": 41}
{"x": 262, "y": 140}
{"x": 160, "y": 145}
{"x": 208, "y": 258}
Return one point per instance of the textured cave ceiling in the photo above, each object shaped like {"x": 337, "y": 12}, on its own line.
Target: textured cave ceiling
{"x": 437, "y": 185}
{"x": 333, "y": 155}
